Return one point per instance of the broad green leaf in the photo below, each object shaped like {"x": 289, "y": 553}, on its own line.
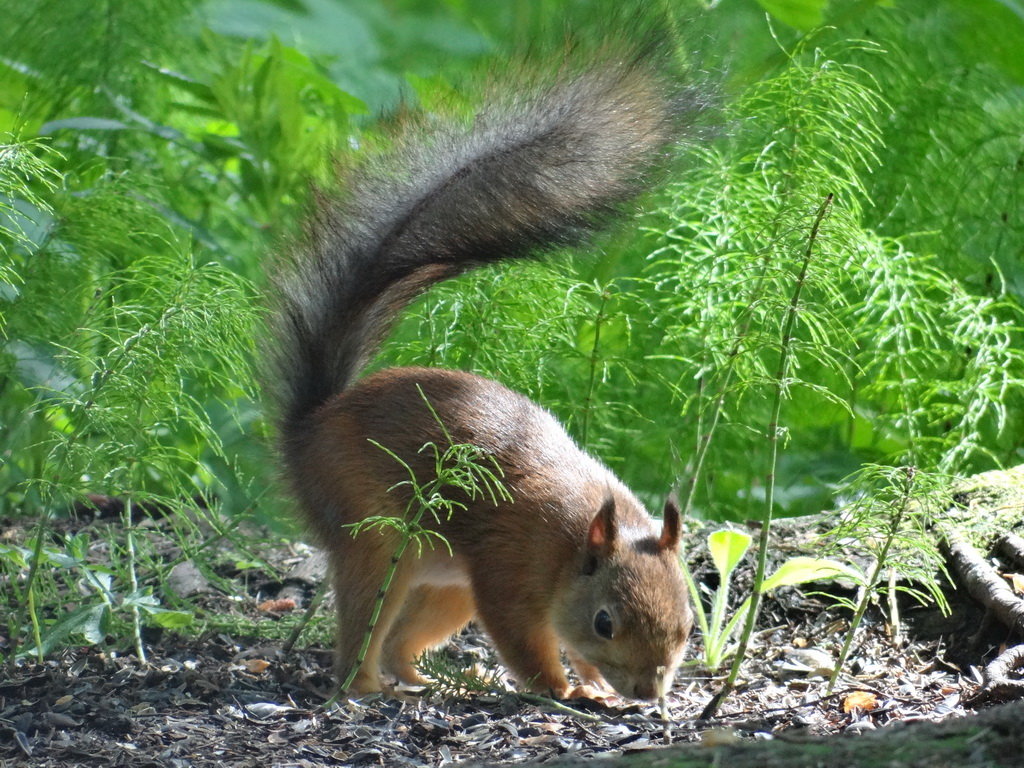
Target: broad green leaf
{"x": 142, "y": 599}
{"x": 992, "y": 31}
{"x": 17, "y": 556}
{"x": 727, "y": 547}
{"x": 89, "y": 621}
{"x": 99, "y": 579}
{"x": 199, "y": 90}
{"x": 171, "y": 619}
{"x": 1015, "y": 6}
{"x": 800, "y": 570}
{"x": 93, "y": 624}
{"x": 60, "y": 559}
{"x": 698, "y": 606}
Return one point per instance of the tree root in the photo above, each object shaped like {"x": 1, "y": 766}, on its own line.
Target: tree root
{"x": 1003, "y": 681}
{"x": 984, "y": 584}
{"x": 1011, "y": 546}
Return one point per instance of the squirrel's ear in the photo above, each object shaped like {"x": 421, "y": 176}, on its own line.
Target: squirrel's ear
{"x": 603, "y": 529}
{"x": 670, "y": 525}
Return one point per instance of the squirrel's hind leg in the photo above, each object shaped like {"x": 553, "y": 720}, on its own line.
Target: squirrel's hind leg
{"x": 431, "y": 614}
{"x": 359, "y": 567}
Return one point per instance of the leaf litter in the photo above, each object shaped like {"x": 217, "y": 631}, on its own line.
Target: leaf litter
{"x": 224, "y": 698}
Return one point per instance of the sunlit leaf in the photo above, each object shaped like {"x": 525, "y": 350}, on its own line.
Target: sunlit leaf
{"x": 800, "y": 570}
{"x": 727, "y": 548}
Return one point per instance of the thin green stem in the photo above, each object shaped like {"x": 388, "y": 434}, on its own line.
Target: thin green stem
{"x": 781, "y": 377}
{"x": 595, "y": 348}
{"x": 705, "y": 435}
{"x": 318, "y": 598}
{"x": 456, "y": 467}
{"x": 30, "y": 594}
{"x": 378, "y": 604}
{"x": 560, "y": 707}
{"x": 133, "y": 580}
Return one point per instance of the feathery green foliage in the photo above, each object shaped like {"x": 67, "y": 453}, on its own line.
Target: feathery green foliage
{"x": 23, "y": 168}
{"x": 888, "y": 521}
{"x": 447, "y": 679}
{"x": 459, "y": 467}
{"x": 113, "y": 362}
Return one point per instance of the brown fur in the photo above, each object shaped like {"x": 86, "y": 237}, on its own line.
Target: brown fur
{"x": 519, "y": 565}
{"x": 573, "y": 556}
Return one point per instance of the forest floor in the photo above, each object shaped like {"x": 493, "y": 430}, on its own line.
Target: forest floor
{"x": 227, "y": 695}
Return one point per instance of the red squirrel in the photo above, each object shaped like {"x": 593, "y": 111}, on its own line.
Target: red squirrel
{"x": 573, "y": 561}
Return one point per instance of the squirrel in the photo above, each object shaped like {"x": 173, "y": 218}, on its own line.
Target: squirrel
{"x": 572, "y": 561}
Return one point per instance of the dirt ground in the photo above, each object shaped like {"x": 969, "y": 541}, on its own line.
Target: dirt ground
{"x": 234, "y": 698}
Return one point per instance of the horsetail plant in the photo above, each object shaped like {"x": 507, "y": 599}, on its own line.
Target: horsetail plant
{"x": 461, "y": 466}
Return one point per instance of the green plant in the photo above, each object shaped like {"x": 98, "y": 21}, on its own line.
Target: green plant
{"x": 789, "y": 315}
{"x": 781, "y": 382}
{"x": 263, "y": 118}
{"x": 447, "y": 678}
{"x": 727, "y": 548}
{"x": 118, "y": 404}
{"x": 73, "y": 568}
{"x": 457, "y": 466}
{"x": 888, "y": 522}
{"x": 177, "y": 143}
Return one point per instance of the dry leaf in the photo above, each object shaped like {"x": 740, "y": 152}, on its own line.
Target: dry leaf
{"x": 862, "y": 700}
{"x": 277, "y": 606}
{"x": 718, "y": 737}
{"x": 1017, "y": 581}
{"x": 256, "y": 666}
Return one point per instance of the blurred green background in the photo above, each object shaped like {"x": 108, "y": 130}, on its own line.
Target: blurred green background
{"x": 155, "y": 153}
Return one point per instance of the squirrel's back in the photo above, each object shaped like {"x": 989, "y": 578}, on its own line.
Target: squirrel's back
{"x": 532, "y": 453}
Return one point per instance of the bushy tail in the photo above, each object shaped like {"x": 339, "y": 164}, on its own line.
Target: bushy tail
{"x": 532, "y": 172}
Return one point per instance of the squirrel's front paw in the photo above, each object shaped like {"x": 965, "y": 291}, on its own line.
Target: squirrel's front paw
{"x": 593, "y": 692}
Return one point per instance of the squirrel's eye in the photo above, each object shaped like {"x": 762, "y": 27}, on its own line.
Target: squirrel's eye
{"x": 603, "y": 624}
